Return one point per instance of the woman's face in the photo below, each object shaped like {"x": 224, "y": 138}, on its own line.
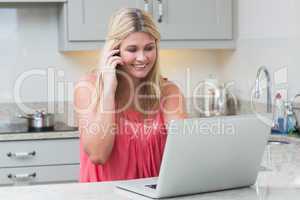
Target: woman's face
{"x": 138, "y": 53}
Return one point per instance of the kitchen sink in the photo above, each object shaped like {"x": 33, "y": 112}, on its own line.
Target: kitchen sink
{"x": 272, "y": 141}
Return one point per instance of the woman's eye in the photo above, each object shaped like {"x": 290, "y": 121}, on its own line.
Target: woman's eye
{"x": 149, "y": 48}
{"x": 131, "y": 49}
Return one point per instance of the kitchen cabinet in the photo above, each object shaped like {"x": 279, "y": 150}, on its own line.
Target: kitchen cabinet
{"x": 183, "y": 24}
{"x": 39, "y": 161}
{"x": 194, "y": 19}
{"x": 83, "y": 23}
{"x": 38, "y": 175}
{"x": 88, "y": 19}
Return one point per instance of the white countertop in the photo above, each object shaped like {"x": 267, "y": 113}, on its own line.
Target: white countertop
{"x": 107, "y": 191}
{"x": 38, "y": 135}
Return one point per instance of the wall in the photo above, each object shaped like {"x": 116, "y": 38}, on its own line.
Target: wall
{"x": 268, "y": 34}
{"x": 29, "y": 58}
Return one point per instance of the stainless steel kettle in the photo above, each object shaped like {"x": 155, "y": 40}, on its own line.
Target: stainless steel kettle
{"x": 218, "y": 100}
{"x": 296, "y": 110}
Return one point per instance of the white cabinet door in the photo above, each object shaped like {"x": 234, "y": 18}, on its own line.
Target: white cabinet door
{"x": 39, "y": 152}
{"x": 194, "y": 19}
{"x": 88, "y": 19}
{"x": 39, "y": 175}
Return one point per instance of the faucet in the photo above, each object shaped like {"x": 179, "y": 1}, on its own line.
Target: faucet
{"x": 293, "y": 100}
{"x": 257, "y": 87}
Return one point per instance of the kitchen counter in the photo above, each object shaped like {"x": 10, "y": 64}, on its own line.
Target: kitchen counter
{"x": 290, "y": 139}
{"x": 75, "y": 134}
{"x": 108, "y": 191}
{"x": 278, "y": 179}
{"x": 38, "y": 135}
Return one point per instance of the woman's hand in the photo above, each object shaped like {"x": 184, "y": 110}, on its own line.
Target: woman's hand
{"x": 109, "y": 63}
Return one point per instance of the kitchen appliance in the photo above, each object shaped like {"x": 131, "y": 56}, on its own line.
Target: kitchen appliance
{"x": 296, "y": 111}
{"x": 217, "y": 99}
{"x": 23, "y": 128}
{"x": 40, "y": 120}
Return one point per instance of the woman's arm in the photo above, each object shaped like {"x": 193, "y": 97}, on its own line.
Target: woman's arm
{"x": 173, "y": 102}
{"x": 95, "y": 106}
{"x": 96, "y": 119}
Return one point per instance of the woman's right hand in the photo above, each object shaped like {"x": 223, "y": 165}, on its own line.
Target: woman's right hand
{"x": 109, "y": 63}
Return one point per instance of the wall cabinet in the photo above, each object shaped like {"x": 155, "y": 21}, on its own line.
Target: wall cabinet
{"x": 194, "y": 19}
{"x": 88, "y": 19}
{"x": 183, "y": 24}
{"x": 83, "y": 23}
{"x": 39, "y": 161}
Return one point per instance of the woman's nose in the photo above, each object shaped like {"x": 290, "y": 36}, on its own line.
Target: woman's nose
{"x": 141, "y": 56}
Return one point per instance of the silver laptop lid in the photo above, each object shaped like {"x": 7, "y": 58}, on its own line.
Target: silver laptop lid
{"x": 210, "y": 154}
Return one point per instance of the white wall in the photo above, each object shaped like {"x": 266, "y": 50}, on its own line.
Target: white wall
{"x": 28, "y": 38}
{"x": 268, "y": 34}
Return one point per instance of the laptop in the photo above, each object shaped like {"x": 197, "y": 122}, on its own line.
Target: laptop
{"x": 206, "y": 155}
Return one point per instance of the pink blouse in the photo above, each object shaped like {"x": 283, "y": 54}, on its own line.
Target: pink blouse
{"x": 137, "y": 151}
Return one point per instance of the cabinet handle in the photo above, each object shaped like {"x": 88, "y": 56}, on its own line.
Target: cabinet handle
{"x": 146, "y": 5}
{"x": 21, "y": 176}
{"x": 21, "y": 154}
{"x": 160, "y": 11}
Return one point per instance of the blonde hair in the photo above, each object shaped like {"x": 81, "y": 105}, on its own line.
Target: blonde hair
{"x": 124, "y": 22}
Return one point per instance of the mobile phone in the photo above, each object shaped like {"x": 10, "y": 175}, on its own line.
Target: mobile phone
{"x": 118, "y": 54}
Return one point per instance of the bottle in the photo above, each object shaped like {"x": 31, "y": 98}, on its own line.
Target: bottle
{"x": 291, "y": 120}
{"x": 279, "y": 122}
{"x": 209, "y": 91}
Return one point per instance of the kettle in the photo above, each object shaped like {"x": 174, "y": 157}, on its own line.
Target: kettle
{"x": 218, "y": 100}
{"x": 296, "y": 110}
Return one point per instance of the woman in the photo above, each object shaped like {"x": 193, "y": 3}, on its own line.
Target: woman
{"x": 124, "y": 107}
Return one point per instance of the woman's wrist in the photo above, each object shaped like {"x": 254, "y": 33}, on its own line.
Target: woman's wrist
{"x": 109, "y": 90}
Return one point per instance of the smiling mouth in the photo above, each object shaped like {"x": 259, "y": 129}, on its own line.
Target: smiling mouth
{"x": 139, "y": 66}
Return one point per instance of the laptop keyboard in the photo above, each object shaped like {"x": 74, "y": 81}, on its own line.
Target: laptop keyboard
{"x": 153, "y": 186}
